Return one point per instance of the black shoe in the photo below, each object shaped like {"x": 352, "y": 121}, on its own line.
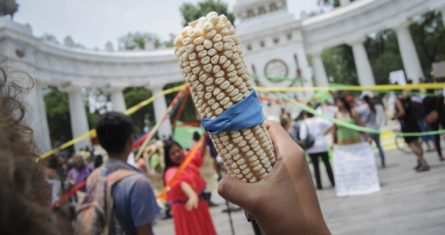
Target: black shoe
{"x": 232, "y": 209}
{"x": 418, "y": 165}
{"x": 423, "y": 166}
{"x": 212, "y": 204}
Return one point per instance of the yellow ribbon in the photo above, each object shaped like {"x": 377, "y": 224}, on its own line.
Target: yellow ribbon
{"x": 93, "y": 131}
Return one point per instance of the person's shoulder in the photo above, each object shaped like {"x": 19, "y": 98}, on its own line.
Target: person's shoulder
{"x": 136, "y": 179}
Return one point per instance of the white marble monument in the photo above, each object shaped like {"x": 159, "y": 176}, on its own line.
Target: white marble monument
{"x": 275, "y": 44}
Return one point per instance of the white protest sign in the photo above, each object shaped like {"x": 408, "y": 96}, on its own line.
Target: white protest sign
{"x": 355, "y": 170}
{"x": 397, "y": 77}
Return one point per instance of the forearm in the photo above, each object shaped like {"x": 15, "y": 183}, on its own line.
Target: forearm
{"x": 188, "y": 190}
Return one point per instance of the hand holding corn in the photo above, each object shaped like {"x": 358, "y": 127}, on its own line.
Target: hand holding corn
{"x": 211, "y": 60}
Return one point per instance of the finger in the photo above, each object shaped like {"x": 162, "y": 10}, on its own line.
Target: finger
{"x": 275, "y": 130}
{"x": 238, "y": 192}
{"x": 279, "y": 137}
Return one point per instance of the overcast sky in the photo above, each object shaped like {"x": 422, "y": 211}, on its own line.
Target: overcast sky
{"x": 94, "y": 22}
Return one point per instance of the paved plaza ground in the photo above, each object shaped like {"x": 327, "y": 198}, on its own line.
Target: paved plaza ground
{"x": 409, "y": 203}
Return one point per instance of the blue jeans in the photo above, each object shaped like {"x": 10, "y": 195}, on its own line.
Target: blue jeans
{"x": 376, "y": 138}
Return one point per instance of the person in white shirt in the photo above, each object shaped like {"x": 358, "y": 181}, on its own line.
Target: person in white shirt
{"x": 318, "y": 128}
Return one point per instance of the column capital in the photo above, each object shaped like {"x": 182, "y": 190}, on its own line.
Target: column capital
{"x": 68, "y": 87}
{"x": 402, "y": 25}
{"x": 113, "y": 89}
{"x": 357, "y": 41}
{"x": 316, "y": 53}
{"x": 155, "y": 87}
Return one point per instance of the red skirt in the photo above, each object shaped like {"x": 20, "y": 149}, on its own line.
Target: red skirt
{"x": 194, "y": 222}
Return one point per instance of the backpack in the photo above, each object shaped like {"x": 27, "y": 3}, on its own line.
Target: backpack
{"x": 309, "y": 141}
{"x": 95, "y": 213}
{"x": 416, "y": 110}
{"x": 305, "y": 143}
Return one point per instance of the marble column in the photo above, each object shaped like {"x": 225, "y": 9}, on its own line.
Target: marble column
{"x": 362, "y": 65}
{"x": 321, "y": 77}
{"x": 117, "y": 100}
{"x": 160, "y": 107}
{"x": 344, "y": 2}
{"x": 306, "y": 72}
{"x": 78, "y": 116}
{"x": 410, "y": 58}
{"x": 35, "y": 117}
{"x": 33, "y": 100}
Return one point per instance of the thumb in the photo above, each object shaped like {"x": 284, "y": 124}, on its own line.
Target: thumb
{"x": 238, "y": 192}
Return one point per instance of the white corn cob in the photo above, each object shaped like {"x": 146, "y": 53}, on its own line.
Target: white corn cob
{"x": 210, "y": 58}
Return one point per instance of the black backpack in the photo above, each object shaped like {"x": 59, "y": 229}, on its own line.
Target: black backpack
{"x": 416, "y": 110}
{"x": 305, "y": 143}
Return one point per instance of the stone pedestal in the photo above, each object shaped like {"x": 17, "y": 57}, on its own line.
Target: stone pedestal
{"x": 117, "y": 100}
{"x": 321, "y": 77}
{"x": 160, "y": 107}
{"x": 362, "y": 65}
{"x": 78, "y": 116}
{"x": 411, "y": 62}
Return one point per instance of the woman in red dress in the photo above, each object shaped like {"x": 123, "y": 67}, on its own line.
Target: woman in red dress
{"x": 190, "y": 211}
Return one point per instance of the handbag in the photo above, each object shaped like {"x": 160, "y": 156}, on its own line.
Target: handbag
{"x": 309, "y": 141}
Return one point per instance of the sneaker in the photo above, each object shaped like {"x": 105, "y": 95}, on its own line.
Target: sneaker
{"x": 423, "y": 167}
{"x": 418, "y": 165}
{"x": 212, "y": 204}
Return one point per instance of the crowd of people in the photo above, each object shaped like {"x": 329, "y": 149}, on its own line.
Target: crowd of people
{"x": 108, "y": 194}
{"x": 416, "y": 114}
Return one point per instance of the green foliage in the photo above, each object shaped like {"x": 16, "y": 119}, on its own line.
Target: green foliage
{"x": 339, "y": 64}
{"x": 58, "y": 114}
{"x": 170, "y": 41}
{"x": 191, "y": 12}
{"x": 189, "y": 112}
{"x": 138, "y": 40}
{"x": 144, "y": 117}
{"x": 8, "y": 7}
{"x": 384, "y": 55}
{"x": 429, "y": 37}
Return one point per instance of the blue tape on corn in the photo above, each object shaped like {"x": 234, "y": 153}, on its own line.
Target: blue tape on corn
{"x": 245, "y": 114}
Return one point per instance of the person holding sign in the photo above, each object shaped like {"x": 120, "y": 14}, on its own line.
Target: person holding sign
{"x": 355, "y": 169}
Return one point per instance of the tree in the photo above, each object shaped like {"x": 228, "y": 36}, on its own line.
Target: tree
{"x": 141, "y": 41}
{"x": 428, "y": 35}
{"x": 189, "y": 112}
{"x": 191, "y": 12}
{"x": 50, "y": 38}
{"x": 339, "y": 63}
{"x": 384, "y": 54}
{"x": 8, "y": 7}
{"x": 145, "y": 117}
{"x": 58, "y": 114}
